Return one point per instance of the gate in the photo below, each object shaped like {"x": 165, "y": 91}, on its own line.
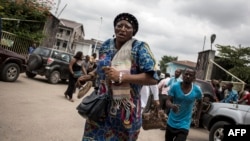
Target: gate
{"x": 14, "y": 43}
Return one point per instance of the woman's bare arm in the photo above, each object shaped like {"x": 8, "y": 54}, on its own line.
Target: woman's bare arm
{"x": 73, "y": 60}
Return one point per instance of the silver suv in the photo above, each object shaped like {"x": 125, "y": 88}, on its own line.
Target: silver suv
{"x": 220, "y": 114}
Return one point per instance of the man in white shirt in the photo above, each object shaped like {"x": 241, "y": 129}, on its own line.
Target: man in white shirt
{"x": 163, "y": 92}
{"x": 145, "y": 92}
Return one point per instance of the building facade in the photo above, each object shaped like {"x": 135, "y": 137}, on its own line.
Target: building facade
{"x": 68, "y": 33}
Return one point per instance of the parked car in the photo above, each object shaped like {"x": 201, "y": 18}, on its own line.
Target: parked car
{"x": 207, "y": 89}
{"x": 48, "y": 62}
{"x": 208, "y": 97}
{"x": 220, "y": 114}
{"x": 11, "y": 65}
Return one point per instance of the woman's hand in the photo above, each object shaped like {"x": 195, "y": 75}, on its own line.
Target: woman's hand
{"x": 111, "y": 73}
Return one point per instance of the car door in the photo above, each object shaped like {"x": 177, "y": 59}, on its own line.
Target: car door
{"x": 247, "y": 117}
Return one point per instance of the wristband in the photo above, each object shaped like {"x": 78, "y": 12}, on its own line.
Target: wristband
{"x": 120, "y": 77}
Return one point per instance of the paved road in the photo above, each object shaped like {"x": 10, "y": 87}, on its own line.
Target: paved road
{"x": 33, "y": 110}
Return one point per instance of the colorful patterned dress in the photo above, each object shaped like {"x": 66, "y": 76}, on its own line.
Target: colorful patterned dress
{"x": 111, "y": 126}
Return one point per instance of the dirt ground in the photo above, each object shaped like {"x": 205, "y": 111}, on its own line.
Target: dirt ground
{"x": 34, "y": 110}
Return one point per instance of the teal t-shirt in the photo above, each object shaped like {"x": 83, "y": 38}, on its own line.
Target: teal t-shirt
{"x": 172, "y": 81}
{"x": 182, "y": 119}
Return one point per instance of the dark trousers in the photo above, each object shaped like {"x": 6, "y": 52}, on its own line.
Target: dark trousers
{"x": 163, "y": 99}
{"x": 71, "y": 86}
{"x": 173, "y": 134}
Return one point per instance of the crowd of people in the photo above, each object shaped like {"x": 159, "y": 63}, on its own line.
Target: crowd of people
{"x": 125, "y": 70}
{"x": 79, "y": 66}
{"x": 226, "y": 93}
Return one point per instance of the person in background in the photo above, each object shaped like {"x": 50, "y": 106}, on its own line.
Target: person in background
{"x": 76, "y": 69}
{"x": 231, "y": 95}
{"x": 164, "y": 92}
{"x": 246, "y": 96}
{"x": 32, "y": 48}
{"x": 86, "y": 63}
{"x": 92, "y": 66}
{"x": 146, "y": 90}
{"x": 216, "y": 86}
{"x": 222, "y": 91}
{"x": 181, "y": 99}
{"x": 93, "y": 62}
{"x": 125, "y": 64}
{"x": 160, "y": 76}
{"x": 245, "y": 99}
{"x": 174, "y": 79}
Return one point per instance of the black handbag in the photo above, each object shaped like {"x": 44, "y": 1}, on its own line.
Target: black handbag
{"x": 93, "y": 106}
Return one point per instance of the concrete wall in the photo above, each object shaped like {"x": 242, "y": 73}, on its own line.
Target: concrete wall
{"x": 50, "y": 30}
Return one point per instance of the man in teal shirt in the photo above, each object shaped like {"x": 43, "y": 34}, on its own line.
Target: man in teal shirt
{"x": 181, "y": 98}
{"x": 174, "y": 79}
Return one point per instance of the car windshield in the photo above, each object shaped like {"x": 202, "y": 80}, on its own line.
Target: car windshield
{"x": 42, "y": 51}
{"x": 205, "y": 87}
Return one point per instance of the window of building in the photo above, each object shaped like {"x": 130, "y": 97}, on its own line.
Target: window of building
{"x": 58, "y": 43}
{"x": 68, "y": 33}
{"x": 65, "y": 44}
{"x": 60, "y": 30}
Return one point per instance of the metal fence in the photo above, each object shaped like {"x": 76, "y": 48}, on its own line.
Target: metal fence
{"x": 14, "y": 43}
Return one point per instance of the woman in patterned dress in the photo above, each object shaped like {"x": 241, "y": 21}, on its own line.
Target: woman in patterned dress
{"x": 125, "y": 64}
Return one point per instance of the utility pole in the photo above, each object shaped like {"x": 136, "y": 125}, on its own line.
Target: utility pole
{"x": 62, "y": 10}
{"x": 58, "y": 4}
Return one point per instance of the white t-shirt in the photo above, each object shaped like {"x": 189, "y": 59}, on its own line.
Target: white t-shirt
{"x": 162, "y": 86}
{"x": 145, "y": 92}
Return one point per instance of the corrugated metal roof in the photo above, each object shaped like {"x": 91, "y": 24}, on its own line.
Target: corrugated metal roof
{"x": 185, "y": 63}
{"x": 71, "y": 24}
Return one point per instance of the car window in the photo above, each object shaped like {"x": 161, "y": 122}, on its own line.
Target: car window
{"x": 205, "y": 87}
{"x": 42, "y": 51}
{"x": 56, "y": 55}
{"x": 65, "y": 57}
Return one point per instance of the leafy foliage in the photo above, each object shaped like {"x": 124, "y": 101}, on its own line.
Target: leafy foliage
{"x": 164, "y": 60}
{"x": 23, "y": 19}
{"x": 236, "y": 57}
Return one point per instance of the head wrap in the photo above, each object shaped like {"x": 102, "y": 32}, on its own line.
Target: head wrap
{"x": 128, "y": 17}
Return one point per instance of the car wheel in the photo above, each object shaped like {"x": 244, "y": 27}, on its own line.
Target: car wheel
{"x": 10, "y": 72}
{"x": 216, "y": 132}
{"x": 30, "y": 74}
{"x": 54, "y": 77}
{"x": 34, "y": 62}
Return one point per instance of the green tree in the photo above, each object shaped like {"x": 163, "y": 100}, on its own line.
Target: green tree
{"x": 236, "y": 57}
{"x": 25, "y": 19}
{"x": 164, "y": 60}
